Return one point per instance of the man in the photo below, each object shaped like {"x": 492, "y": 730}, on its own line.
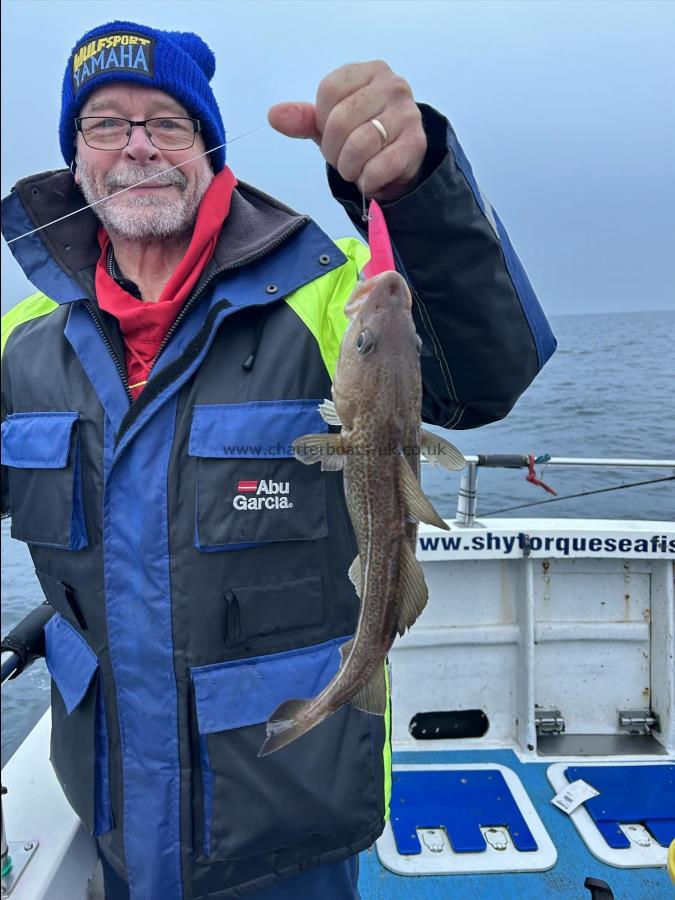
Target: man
{"x": 181, "y": 337}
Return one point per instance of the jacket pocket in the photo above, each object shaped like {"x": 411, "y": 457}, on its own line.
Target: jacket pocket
{"x": 42, "y": 453}
{"x": 260, "y": 612}
{"x": 319, "y": 788}
{"x": 79, "y": 749}
{"x": 61, "y": 597}
{"x": 250, "y": 489}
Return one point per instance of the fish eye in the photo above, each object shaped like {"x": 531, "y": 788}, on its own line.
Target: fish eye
{"x": 365, "y": 341}
{"x": 418, "y": 343}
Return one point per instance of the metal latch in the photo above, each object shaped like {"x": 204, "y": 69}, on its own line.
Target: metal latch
{"x": 639, "y": 721}
{"x": 549, "y": 721}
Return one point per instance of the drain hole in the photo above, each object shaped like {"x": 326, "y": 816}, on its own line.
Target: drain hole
{"x": 451, "y": 723}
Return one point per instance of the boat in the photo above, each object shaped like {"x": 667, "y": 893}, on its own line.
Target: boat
{"x": 532, "y": 721}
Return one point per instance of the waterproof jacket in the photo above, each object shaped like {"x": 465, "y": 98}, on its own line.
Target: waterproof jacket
{"x": 198, "y": 572}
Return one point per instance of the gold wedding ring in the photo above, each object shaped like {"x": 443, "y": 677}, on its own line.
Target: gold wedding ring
{"x": 379, "y": 127}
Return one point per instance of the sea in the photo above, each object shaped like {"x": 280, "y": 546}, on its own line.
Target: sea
{"x": 608, "y": 392}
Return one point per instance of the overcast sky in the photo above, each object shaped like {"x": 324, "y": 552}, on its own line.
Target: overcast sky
{"x": 565, "y": 109}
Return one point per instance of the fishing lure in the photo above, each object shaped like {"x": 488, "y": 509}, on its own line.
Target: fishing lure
{"x": 381, "y": 252}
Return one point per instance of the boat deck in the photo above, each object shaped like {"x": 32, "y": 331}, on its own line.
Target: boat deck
{"x": 565, "y": 880}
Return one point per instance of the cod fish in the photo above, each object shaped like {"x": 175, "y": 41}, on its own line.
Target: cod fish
{"x": 377, "y": 394}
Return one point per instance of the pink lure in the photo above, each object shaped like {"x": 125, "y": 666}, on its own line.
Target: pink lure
{"x": 381, "y": 253}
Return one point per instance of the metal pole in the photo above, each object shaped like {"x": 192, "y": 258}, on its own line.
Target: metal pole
{"x": 466, "y": 501}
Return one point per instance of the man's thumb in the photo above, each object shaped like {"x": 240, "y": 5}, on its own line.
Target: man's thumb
{"x": 296, "y": 120}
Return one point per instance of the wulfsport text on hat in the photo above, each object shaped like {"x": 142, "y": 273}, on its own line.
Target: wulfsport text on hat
{"x": 116, "y": 52}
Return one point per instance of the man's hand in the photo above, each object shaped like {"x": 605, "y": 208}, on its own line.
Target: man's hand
{"x": 340, "y": 124}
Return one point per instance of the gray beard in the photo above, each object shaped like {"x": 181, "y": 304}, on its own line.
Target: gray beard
{"x": 146, "y": 217}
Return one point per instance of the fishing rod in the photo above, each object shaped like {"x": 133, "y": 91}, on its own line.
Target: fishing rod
{"x": 616, "y": 487}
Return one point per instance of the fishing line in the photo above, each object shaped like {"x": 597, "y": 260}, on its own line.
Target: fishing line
{"x": 617, "y": 487}
{"x": 131, "y": 186}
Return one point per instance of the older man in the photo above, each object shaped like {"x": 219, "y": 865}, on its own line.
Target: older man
{"x": 181, "y": 336}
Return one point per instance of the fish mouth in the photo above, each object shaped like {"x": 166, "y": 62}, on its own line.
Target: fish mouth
{"x": 389, "y": 287}
{"x": 358, "y": 298}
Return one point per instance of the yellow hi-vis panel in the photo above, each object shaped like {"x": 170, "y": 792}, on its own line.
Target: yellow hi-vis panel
{"x": 32, "y": 307}
{"x": 320, "y": 304}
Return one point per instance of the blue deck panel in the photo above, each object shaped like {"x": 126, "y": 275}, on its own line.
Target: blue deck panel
{"x": 460, "y": 801}
{"x": 565, "y": 880}
{"x": 638, "y": 793}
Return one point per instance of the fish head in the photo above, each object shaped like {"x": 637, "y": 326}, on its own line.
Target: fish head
{"x": 379, "y": 354}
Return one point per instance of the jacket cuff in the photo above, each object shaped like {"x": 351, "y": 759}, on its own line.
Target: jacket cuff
{"x": 435, "y": 127}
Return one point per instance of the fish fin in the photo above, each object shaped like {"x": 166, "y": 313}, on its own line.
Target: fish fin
{"x": 345, "y": 650}
{"x": 328, "y": 413}
{"x": 372, "y": 698}
{"x": 286, "y": 724}
{"x": 441, "y": 452}
{"x": 355, "y": 574}
{"x": 416, "y": 503}
{"x": 324, "y": 448}
{"x": 413, "y": 591}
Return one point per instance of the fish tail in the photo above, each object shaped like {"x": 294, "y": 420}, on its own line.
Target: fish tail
{"x": 287, "y": 723}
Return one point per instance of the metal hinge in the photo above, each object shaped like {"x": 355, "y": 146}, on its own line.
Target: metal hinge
{"x": 549, "y": 721}
{"x": 639, "y": 721}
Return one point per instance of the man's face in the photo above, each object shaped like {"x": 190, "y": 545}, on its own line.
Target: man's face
{"x": 164, "y": 207}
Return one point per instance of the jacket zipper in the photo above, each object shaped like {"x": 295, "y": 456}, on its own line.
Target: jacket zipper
{"x": 188, "y": 306}
{"x": 120, "y": 368}
{"x": 192, "y": 300}
{"x": 233, "y": 629}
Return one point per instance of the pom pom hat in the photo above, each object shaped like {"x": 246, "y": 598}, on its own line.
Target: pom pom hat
{"x": 176, "y": 62}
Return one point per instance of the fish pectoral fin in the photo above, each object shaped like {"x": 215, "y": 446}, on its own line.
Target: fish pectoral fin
{"x": 372, "y": 698}
{"x": 417, "y": 504}
{"x": 413, "y": 591}
{"x": 328, "y": 413}
{"x": 355, "y": 574}
{"x": 326, "y": 448}
{"x": 441, "y": 452}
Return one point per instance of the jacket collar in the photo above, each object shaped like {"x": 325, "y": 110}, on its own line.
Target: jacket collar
{"x": 256, "y": 224}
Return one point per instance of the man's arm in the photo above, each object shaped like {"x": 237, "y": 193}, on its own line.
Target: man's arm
{"x": 485, "y": 336}
{"x": 33, "y": 307}
{"x": 4, "y": 485}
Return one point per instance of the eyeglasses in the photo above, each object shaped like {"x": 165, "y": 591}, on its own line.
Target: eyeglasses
{"x": 166, "y": 133}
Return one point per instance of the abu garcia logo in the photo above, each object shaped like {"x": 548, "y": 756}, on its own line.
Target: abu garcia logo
{"x": 263, "y": 494}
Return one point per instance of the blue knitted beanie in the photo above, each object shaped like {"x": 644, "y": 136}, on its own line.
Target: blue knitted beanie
{"x": 177, "y": 62}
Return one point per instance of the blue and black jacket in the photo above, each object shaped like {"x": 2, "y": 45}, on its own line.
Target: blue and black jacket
{"x": 198, "y": 572}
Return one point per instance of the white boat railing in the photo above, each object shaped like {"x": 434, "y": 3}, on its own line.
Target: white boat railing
{"x": 468, "y": 491}
{"x": 608, "y": 462}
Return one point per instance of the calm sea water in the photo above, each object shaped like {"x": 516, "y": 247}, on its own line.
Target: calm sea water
{"x": 608, "y": 392}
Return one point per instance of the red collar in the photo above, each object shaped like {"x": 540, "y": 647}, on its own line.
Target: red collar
{"x": 144, "y": 324}
{"x": 213, "y": 210}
